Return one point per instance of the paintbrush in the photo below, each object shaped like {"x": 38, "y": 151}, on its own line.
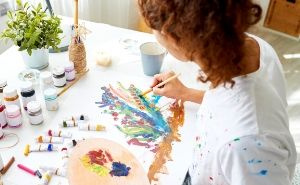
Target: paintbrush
{"x": 7, "y": 166}
{"x": 160, "y": 84}
{"x": 72, "y": 83}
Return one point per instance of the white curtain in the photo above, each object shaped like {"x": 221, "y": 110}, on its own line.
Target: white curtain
{"x": 122, "y": 13}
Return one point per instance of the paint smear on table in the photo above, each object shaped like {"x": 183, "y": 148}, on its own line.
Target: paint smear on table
{"x": 143, "y": 123}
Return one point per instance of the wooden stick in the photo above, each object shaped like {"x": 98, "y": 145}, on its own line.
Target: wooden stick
{"x": 160, "y": 84}
{"x": 76, "y": 14}
{"x": 72, "y": 83}
{"x": 7, "y": 166}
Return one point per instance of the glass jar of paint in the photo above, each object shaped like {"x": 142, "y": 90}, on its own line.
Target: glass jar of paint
{"x": 3, "y": 83}
{"x": 59, "y": 77}
{"x": 11, "y": 96}
{"x": 35, "y": 113}
{"x": 3, "y": 122}
{"x": 27, "y": 93}
{"x": 13, "y": 116}
{"x": 70, "y": 71}
{"x": 51, "y": 101}
{"x": 46, "y": 80}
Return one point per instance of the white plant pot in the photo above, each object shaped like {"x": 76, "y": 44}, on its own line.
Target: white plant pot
{"x": 39, "y": 59}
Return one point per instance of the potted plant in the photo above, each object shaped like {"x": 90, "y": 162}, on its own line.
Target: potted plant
{"x": 33, "y": 31}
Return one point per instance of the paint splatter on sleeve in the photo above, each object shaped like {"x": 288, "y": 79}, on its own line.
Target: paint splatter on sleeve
{"x": 261, "y": 163}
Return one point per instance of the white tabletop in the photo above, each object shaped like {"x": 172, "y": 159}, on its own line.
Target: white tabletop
{"x": 126, "y": 68}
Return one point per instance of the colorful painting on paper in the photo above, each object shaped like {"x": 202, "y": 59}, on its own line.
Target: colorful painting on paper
{"x": 142, "y": 121}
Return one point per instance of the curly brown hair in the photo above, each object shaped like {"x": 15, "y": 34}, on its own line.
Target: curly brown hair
{"x": 210, "y": 31}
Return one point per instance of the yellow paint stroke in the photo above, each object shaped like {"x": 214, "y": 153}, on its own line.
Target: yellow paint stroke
{"x": 98, "y": 169}
{"x": 163, "y": 154}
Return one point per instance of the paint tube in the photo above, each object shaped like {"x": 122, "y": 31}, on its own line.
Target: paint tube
{"x": 91, "y": 127}
{"x": 81, "y": 117}
{"x": 54, "y": 170}
{"x": 59, "y": 133}
{"x": 64, "y": 156}
{"x": 46, "y": 178}
{"x": 49, "y": 139}
{"x": 71, "y": 123}
{"x": 39, "y": 148}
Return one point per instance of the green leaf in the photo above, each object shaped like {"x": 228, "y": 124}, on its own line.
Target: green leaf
{"x": 19, "y": 3}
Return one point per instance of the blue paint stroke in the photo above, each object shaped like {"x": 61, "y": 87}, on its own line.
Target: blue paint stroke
{"x": 253, "y": 161}
{"x": 119, "y": 169}
{"x": 155, "y": 99}
{"x": 262, "y": 173}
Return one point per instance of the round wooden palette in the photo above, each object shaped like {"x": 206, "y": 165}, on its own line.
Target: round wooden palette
{"x": 79, "y": 174}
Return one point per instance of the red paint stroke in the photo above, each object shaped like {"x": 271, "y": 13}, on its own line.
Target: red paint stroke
{"x": 154, "y": 150}
{"x": 120, "y": 94}
{"x": 99, "y": 157}
{"x": 108, "y": 156}
{"x": 135, "y": 141}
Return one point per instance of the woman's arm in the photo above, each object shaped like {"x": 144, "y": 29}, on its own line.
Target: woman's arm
{"x": 175, "y": 89}
{"x": 193, "y": 95}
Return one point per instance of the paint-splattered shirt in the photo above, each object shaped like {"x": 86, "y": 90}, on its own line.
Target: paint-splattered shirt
{"x": 243, "y": 136}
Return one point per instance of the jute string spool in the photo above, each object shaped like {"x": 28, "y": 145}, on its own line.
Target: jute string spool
{"x": 77, "y": 55}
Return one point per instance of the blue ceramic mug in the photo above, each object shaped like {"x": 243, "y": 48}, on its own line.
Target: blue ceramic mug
{"x": 152, "y": 55}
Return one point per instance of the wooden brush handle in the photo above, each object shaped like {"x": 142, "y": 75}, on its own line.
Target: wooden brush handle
{"x": 76, "y": 14}
{"x": 7, "y": 166}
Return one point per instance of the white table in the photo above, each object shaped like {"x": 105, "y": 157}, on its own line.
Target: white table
{"x": 126, "y": 68}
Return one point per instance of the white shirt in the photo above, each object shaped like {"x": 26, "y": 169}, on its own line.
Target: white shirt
{"x": 243, "y": 134}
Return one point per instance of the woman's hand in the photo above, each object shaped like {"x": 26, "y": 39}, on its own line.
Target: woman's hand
{"x": 175, "y": 89}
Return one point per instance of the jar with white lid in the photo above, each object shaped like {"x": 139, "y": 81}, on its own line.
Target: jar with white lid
{"x": 3, "y": 83}
{"x": 10, "y": 96}
{"x": 35, "y": 113}
{"x": 70, "y": 71}
{"x": 3, "y": 121}
{"x": 59, "y": 77}
{"x": 51, "y": 101}
{"x": 46, "y": 80}
{"x": 27, "y": 93}
{"x": 13, "y": 116}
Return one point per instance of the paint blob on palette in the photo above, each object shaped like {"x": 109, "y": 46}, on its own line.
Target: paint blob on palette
{"x": 101, "y": 162}
{"x": 140, "y": 118}
{"x": 144, "y": 123}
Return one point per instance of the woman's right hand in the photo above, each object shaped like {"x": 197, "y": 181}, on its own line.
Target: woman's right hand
{"x": 173, "y": 89}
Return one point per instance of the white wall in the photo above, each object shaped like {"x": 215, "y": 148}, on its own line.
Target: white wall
{"x": 264, "y": 4}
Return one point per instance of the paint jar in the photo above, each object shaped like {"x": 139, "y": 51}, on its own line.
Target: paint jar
{"x": 35, "y": 114}
{"x": 59, "y": 77}
{"x": 11, "y": 96}
{"x": 13, "y": 116}
{"x": 46, "y": 80}
{"x": 27, "y": 93}
{"x": 70, "y": 71}
{"x": 51, "y": 101}
{"x": 3, "y": 122}
{"x": 3, "y": 83}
